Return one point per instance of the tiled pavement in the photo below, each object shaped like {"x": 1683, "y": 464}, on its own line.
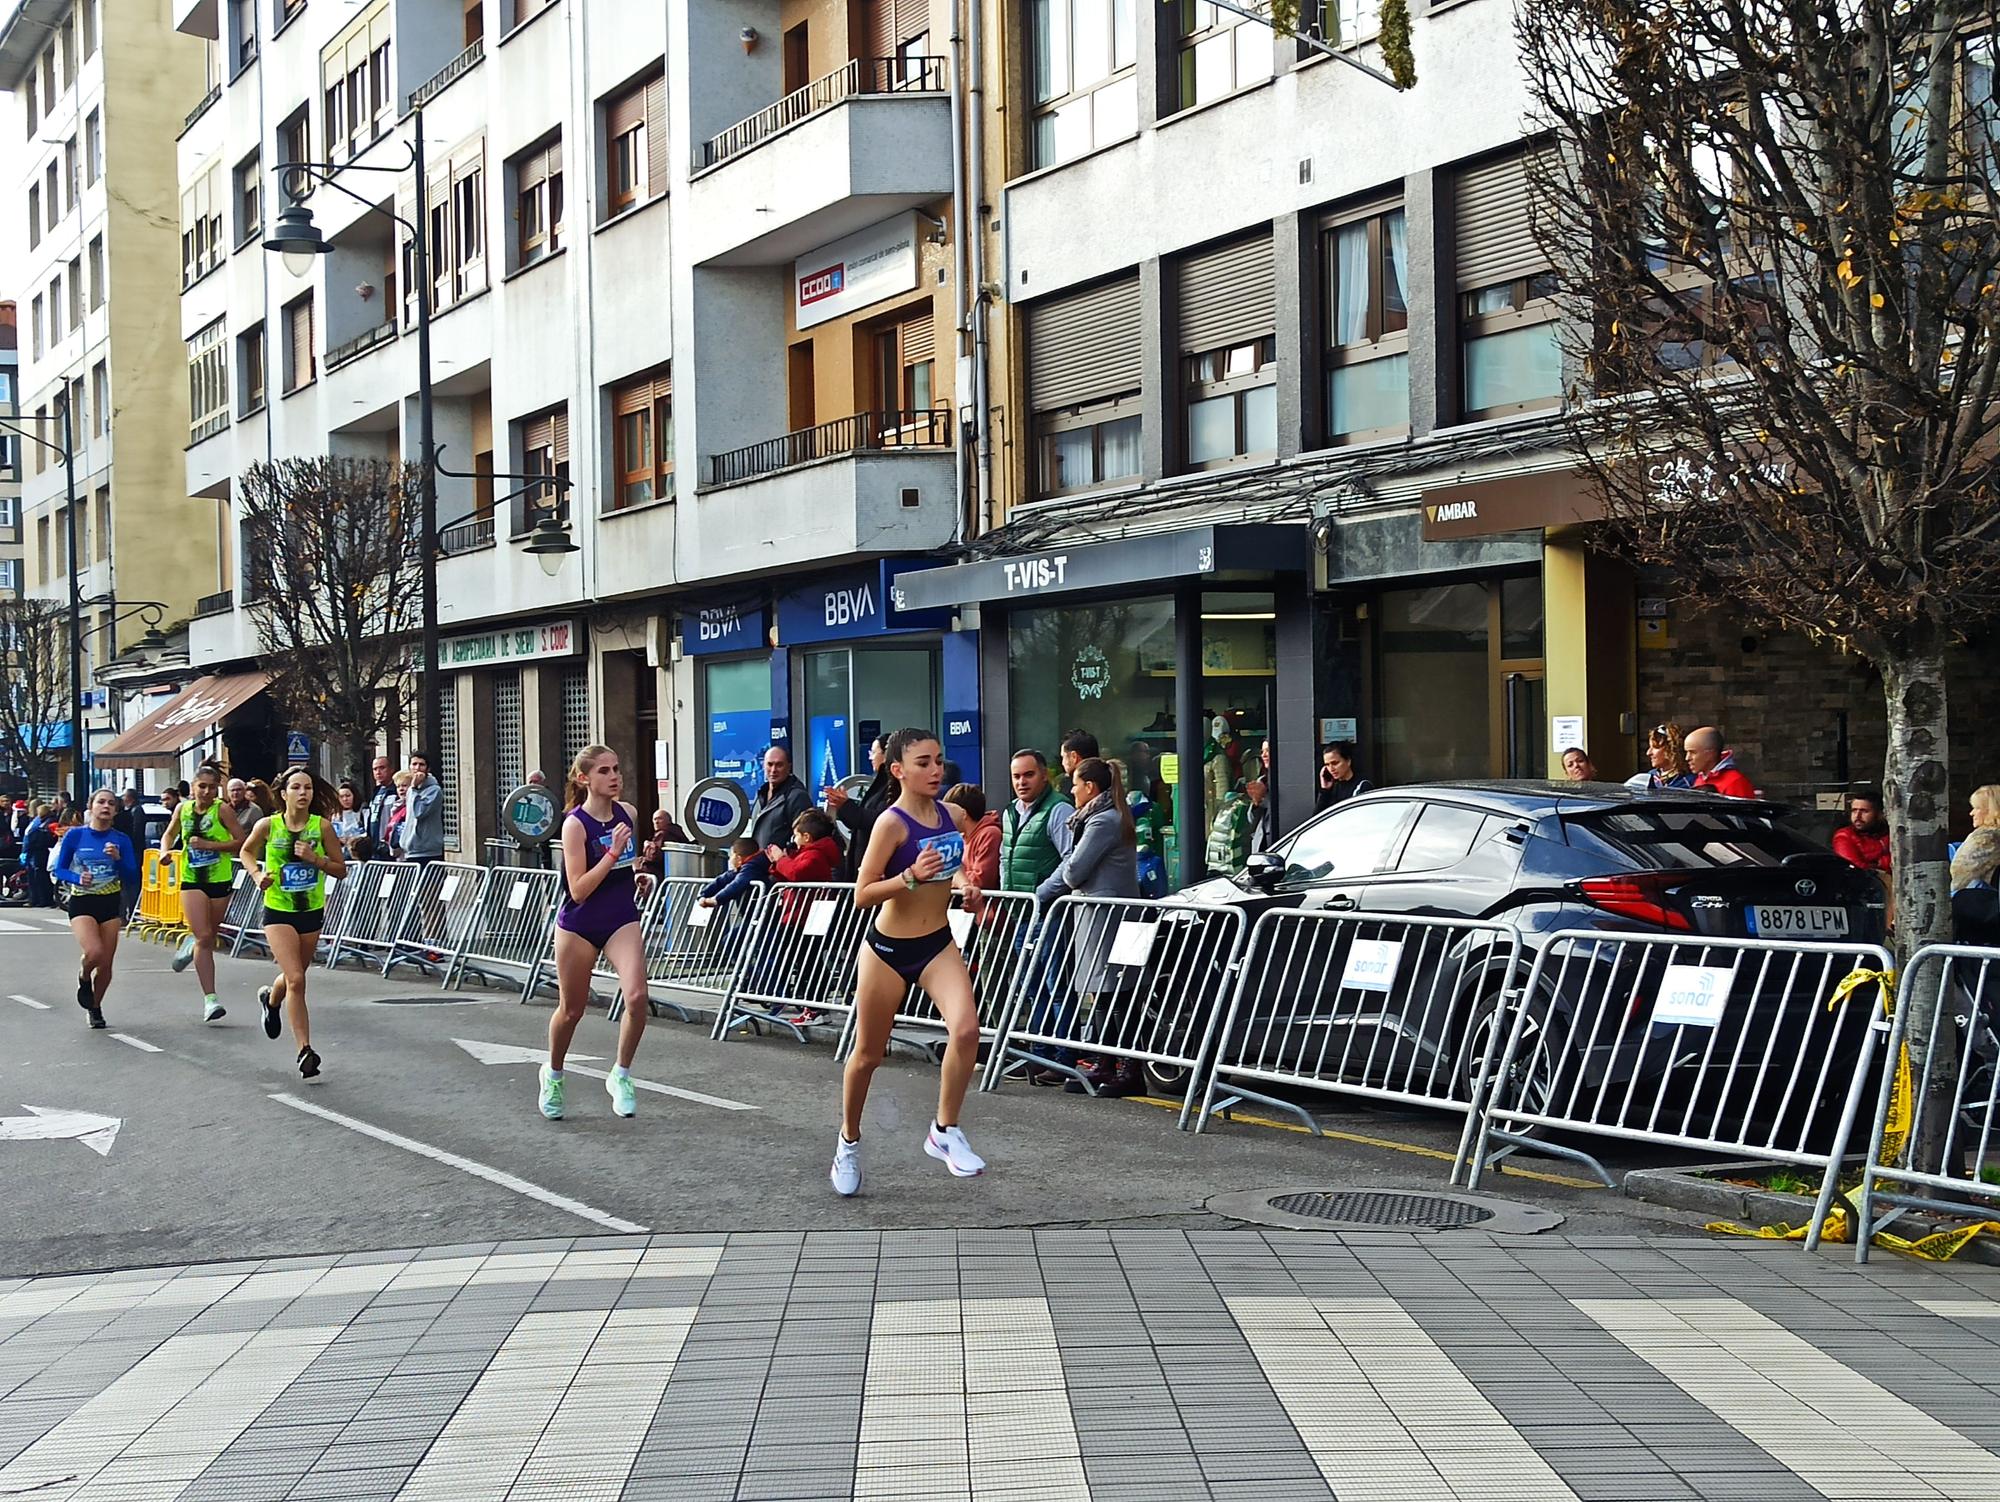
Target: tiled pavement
{"x": 1003, "y": 1366}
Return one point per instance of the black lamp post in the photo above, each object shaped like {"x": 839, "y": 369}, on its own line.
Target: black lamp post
{"x": 550, "y": 542}
{"x": 68, "y": 451}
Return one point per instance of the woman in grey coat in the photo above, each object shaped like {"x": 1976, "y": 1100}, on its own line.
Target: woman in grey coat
{"x": 1103, "y": 861}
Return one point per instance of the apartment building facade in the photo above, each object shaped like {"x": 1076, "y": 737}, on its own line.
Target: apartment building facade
{"x": 13, "y": 579}
{"x": 622, "y": 202}
{"x": 90, "y": 272}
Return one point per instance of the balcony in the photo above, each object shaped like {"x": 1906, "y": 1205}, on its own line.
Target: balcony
{"x": 449, "y": 74}
{"x": 868, "y": 484}
{"x": 207, "y": 101}
{"x": 862, "y": 433}
{"x": 215, "y": 604}
{"x": 848, "y": 150}
{"x": 465, "y": 537}
{"x": 358, "y": 346}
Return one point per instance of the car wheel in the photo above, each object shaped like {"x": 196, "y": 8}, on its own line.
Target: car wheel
{"x": 1537, "y": 1067}
{"x": 1168, "y": 1080}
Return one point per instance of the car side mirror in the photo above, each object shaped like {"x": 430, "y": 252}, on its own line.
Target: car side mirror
{"x": 1264, "y": 870}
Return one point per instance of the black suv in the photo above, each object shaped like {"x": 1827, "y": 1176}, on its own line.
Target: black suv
{"x": 1540, "y": 857}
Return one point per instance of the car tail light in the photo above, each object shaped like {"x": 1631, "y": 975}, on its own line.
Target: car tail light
{"x": 1638, "y": 896}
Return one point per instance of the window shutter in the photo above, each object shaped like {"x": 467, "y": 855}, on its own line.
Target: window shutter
{"x": 656, "y": 137}
{"x": 560, "y": 445}
{"x": 1084, "y": 346}
{"x": 537, "y": 433}
{"x": 920, "y": 338}
{"x": 626, "y": 111}
{"x": 881, "y": 38}
{"x": 913, "y": 18}
{"x": 1227, "y": 295}
{"x": 302, "y": 341}
{"x": 1496, "y": 242}
{"x": 633, "y": 396}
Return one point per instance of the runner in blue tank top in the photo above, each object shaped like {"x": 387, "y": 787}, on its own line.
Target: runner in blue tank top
{"x": 915, "y": 853}
{"x": 599, "y": 915}
{"x": 94, "y": 863}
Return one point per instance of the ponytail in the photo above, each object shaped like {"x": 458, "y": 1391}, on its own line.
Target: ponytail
{"x": 576, "y": 785}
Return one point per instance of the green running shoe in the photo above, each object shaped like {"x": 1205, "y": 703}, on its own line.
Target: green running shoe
{"x": 552, "y": 1094}
{"x": 624, "y": 1099}
{"x": 184, "y": 956}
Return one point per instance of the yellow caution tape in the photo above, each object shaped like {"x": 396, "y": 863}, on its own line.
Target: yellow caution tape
{"x": 1939, "y": 1246}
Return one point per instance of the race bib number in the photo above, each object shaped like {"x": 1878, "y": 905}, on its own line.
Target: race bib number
{"x": 102, "y": 874}
{"x": 951, "y": 847}
{"x": 297, "y": 876}
{"x": 630, "y": 855}
{"x": 203, "y": 857}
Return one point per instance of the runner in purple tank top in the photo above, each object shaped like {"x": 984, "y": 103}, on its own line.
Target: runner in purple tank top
{"x": 915, "y": 855}
{"x": 599, "y": 915}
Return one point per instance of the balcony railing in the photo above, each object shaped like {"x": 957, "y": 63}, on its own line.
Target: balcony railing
{"x": 864, "y": 75}
{"x": 450, "y": 73}
{"x": 465, "y": 537}
{"x": 214, "y": 93}
{"x": 865, "y": 432}
{"x": 338, "y": 356}
{"x": 215, "y": 604}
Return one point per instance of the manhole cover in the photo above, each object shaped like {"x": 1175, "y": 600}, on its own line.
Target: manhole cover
{"x": 1322, "y": 1209}
{"x": 1408, "y": 1212}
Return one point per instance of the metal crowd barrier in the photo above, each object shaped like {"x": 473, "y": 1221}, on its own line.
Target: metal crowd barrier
{"x": 333, "y": 916}
{"x": 602, "y": 974}
{"x": 1380, "y": 1008}
{"x": 429, "y": 929}
{"x": 376, "y": 896}
{"x": 1723, "y": 1045}
{"x": 799, "y": 958}
{"x": 696, "y": 949}
{"x": 1958, "y": 1131}
{"x": 995, "y": 939}
{"x": 511, "y": 930}
{"x": 1122, "y": 978}
{"x": 243, "y": 920}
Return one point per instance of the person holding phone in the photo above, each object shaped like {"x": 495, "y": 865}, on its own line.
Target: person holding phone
{"x": 1339, "y": 778}
{"x": 914, "y": 852}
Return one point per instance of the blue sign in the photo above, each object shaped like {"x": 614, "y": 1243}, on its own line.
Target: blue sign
{"x": 832, "y": 751}
{"x": 298, "y": 747}
{"x": 723, "y": 628}
{"x": 961, "y": 741}
{"x": 736, "y": 742}
{"x": 853, "y": 602}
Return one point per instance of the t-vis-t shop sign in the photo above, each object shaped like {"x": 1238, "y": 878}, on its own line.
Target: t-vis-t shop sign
{"x": 870, "y": 265}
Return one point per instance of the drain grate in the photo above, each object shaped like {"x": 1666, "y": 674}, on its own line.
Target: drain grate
{"x": 1419, "y": 1212}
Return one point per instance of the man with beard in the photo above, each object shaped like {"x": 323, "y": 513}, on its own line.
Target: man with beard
{"x": 1864, "y": 839}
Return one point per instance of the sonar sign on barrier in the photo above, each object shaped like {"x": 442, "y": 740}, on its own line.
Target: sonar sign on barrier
{"x": 717, "y": 811}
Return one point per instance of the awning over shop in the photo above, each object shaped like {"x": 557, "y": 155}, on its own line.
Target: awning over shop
{"x": 185, "y": 718}
{"x": 1255, "y": 547}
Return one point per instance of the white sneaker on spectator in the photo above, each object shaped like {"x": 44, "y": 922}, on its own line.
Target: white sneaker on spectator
{"x": 846, "y": 1171}
{"x": 948, "y": 1146}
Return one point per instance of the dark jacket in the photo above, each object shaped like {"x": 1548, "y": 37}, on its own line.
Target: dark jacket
{"x": 774, "y": 811}
{"x": 858, "y": 815}
{"x": 731, "y": 885}
{"x": 1340, "y": 792}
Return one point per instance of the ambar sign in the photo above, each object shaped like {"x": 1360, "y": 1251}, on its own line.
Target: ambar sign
{"x": 1518, "y": 503}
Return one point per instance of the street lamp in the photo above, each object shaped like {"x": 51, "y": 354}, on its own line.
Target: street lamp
{"x": 550, "y": 542}
{"x": 299, "y": 241}
{"x": 68, "y": 452}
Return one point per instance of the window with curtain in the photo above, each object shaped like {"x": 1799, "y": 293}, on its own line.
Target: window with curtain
{"x": 1082, "y": 56}
{"x": 1220, "y": 52}
{"x": 1232, "y": 403}
{"x": 1092, "y": 444}
{"x": 1368, "y": 356}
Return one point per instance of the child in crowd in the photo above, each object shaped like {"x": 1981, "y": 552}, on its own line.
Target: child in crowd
{"x": 747, "y": 866}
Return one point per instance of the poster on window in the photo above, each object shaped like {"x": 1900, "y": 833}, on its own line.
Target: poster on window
{"x": 736, "y": 742}
{"x": 830, "y": 755}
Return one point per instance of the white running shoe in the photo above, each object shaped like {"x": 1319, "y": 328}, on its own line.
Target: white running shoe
{"x": 624, "y": 1098}
{"x": 949, "y": 1147}
{"x": 212, "y": 1010}
{"x": 846, "y": 1173}
{"x": 184, "y": 956}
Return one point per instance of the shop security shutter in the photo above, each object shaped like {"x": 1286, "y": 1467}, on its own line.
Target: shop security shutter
{"x": 1084, "y": 346}
{"x": 1496, "y": 242}
{"x": 1227, "y": 294}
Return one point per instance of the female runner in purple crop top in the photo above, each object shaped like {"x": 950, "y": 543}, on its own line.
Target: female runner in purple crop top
{"x": 599, "y": 914}
{"x": 915, "y": 852}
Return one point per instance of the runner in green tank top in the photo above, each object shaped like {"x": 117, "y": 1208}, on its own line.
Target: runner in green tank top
{"x": 291, "y": 854}
{"x": 203, "y": 836}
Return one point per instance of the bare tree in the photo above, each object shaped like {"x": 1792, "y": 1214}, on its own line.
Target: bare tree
{"x": 34, "y": 698}
{"x": 1774, "y": 235}
{"x": 332, "y": 568}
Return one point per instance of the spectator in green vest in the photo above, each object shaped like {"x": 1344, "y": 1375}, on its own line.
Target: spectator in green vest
{"x": 1034, "y": 829}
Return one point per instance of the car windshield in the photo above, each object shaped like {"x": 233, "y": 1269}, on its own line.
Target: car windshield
{"x": 1669, "y": 839}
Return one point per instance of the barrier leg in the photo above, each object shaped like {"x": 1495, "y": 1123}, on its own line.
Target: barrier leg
{"x": 1238, "y": 1094}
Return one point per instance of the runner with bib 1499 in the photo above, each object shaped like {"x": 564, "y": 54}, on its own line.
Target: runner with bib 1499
{"x": 93, "y": 863}
{"x": 291, "y": 854}
{"x": 914, "y": 853}
{"x": 205, "y": 833}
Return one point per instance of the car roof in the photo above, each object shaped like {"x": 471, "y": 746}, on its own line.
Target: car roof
{"x": 1530, "y": 798}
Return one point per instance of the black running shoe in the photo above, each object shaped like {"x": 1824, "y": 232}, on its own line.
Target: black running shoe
{"x": 273, "y": 1023}
{"x": 308, "y": 1062}
{"x": 84, "y": 998}
{"x": 96, "y": 1017}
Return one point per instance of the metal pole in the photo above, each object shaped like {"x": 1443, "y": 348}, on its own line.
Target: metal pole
{"x": 75, "y": 603}
{"x": 427, "y": 681}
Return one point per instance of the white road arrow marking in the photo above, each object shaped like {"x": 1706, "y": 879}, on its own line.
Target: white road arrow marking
{"x": 48, "y": 1125}
{"x": 8, "y": 926}
{"x": 504, "y": 1053}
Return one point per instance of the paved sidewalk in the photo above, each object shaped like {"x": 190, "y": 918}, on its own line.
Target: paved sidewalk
{"x": 1003, "y": 1366}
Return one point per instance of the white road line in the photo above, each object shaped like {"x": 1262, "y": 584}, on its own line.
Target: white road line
{"x": 463, "y": 1165}
{"x": 720, "y": 1102}
{"x": 1838, "y": 1431}
{"x": 29, "y": 1001}
{"x": 8, "y": 926}
{"x": 481, "y": 1451}
{"x": 590, "y": 1445}
{"x": 63, "y": 1462}
{"x": 59, "y": 922}
{"x": 139, "y": 1043}
{"x": 1384, "y": 1412}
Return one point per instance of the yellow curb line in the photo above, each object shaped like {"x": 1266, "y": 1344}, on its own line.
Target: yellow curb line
{"x": 1394, "y": 1146}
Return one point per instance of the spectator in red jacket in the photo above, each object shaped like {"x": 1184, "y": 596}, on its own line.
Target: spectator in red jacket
{"x": 1864, "y": 839}
{"x": 815, "y": 853}
{"x": 982, "y": 845}
{"x": 1714, "y": 768}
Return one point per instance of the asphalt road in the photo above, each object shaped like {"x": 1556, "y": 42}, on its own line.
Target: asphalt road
{"x": 213, "y": 1157}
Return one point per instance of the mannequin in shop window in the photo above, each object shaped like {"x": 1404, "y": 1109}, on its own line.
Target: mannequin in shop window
{"x": 1221, "y": 761}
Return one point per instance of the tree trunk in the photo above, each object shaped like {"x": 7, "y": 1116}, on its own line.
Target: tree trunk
{"x": 360, "y": 751}
{"x": 1916, "y": 801}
